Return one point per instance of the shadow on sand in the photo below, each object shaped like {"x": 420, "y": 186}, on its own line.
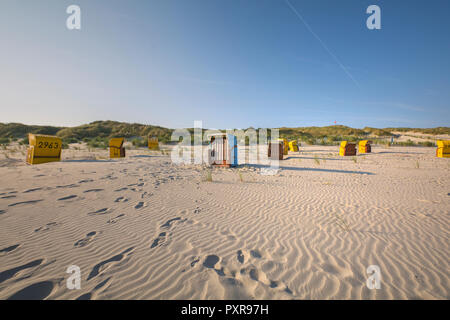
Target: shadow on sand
{"x": 87, "y": 160}
{"x": 313, "y": 169}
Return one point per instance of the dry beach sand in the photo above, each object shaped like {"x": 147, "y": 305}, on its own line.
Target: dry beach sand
{"x": 145, "y": 228}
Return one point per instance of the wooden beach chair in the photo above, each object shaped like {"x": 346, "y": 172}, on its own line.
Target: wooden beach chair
{"x": 285, "y": 145}
{"x": 223, "y": 150}
{"x": 293, "y": 146}
{"x": 153, "y": 143}
{"x": 43, "y": 148}
{"x": 443, "y": 148}
{"x": 365, "y": 147}
{"x": 116, "y": 149}
{"x": 347, "y": 149}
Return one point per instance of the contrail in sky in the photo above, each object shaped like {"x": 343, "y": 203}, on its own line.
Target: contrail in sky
{"x": 321, "y": 42}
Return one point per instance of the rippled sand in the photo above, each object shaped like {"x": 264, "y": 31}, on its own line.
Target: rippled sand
{"x": 144, "y": 228}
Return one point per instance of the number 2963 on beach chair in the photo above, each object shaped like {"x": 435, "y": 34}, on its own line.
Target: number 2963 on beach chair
{"x": 116, "y": 149}
{"x": 43, "y": 149}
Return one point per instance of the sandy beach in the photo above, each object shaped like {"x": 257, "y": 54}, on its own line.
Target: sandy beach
{"x": 145, "y": 228}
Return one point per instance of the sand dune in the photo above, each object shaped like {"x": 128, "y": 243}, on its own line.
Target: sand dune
{"x": 144, "y": 228}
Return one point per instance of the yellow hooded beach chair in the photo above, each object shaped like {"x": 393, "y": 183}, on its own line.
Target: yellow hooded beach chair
{"x": 347, "y": 149}
{"x": 443, "y": 148}
{"x": 364, "y": 146}
{"x": 153, "y": 143}
{"x": 293, "y": 146}
{"x": 116, "y": 149}
{"x": 43, "y": 149}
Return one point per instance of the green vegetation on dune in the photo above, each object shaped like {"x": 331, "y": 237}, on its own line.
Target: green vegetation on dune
{"x": 433, "y": 131}
{"x": 96, "y": 134}
{"x": 18, "y": 130}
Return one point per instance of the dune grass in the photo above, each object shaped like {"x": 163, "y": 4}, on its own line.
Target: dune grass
{"x": 241, "y": 176}
{"x": 316, "y": 160}
{"x": 342, "y": 223}
{"x": 207, "y": 175}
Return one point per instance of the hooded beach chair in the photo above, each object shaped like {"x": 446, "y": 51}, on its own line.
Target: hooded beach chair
{"x": 223, "y": 150}
{"x": 443, "y": 148}
{"x": 153, "y": 143}
{"x": 347, "y": 149}
{"x": 43, "y": 148}
{"x": 116, "y": 149}
{"x": 293, "y": 146}
{"x": 364, "y": 146}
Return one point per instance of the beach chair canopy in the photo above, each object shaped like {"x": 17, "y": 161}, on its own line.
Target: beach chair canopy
{"x": 116, "y": 142}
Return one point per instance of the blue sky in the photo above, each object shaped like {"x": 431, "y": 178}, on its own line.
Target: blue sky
{"x": 229, "y": 63}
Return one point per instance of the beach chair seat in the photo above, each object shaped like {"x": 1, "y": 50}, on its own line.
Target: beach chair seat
{"x": 43, "y": 148}
{"x": 116, "y": 149}
{"x": 347, "y": 149}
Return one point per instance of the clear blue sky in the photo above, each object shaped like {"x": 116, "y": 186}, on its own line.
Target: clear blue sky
{"x": 230, "y": 63}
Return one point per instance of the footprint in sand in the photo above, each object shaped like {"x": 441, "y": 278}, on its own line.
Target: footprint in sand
{"x": 194, "y": 261}
{"x": 256, "y": 254}
{"x": 8, "y": 197}
{"x": 25, "y": 203}
{"x": 89, "y": 295}
{"x": 47, "y": 227}
{"x": 36, "y": 291}
{"x": 8, "y": 274}
{"x": 159, "y": 240}
{"x": 93, "y": 190}
{"x": 68, "y": 197}
{"x": 240, "y": 256}
{"x": 139, "y": 205}
{"x": 9, "y": 249}
{"x": 211, "y": 261}
{"x": 32, "y": 190}
{"x": 85, "y": 241}
{"x": 99, "y": 212}
{"x": 85, "y": 181}
{"x": 197, "y": 210}
{"x": 73, "y": 185}
{"x": 121, "y": 199}
{"x": 114, "y": 220}
{"x": 106, "y": 264}
{"x": 168, "y": 223}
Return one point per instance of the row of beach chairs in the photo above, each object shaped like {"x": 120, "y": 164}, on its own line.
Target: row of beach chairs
{"x": 222, "y": 148}
{"x": 45, "y": 148}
